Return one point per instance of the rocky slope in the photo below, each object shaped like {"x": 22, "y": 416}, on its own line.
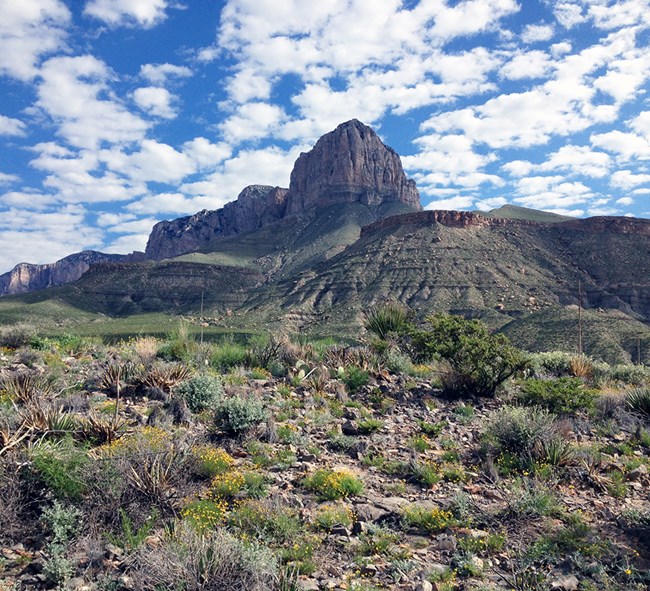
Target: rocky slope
{"x": 347, "y": 165}
{"x": 26, "y": 277}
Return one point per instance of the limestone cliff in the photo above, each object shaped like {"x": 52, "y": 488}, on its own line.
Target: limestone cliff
{"x": 347, "y": 165}
{"x": 26, "y": 277}
{"x": 350, "y": 164}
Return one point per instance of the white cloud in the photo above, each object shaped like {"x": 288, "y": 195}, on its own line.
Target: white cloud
{"x": 127, "y": 243}
{"x": 44, "y": 236}
{"x": 518, "y": 168}
{"x": 552, "y": 193}
{"x": 205, "y": 154}
{"x": 530, "y": 64}
{"x": 72, "y": 91}
{"x": 106, "y": 219}
{"x": 580, "y": 160}
{"x": 269, "y": 166}
{"x": 155, "y": 101}
{"x": 6, "y": 179}
{"x": 10, "y": 126}
{"x": 159, "y": 73}
{"x": 625, "y": 201}
{"x": 626, "y": 145}
{"x": 568, "y": 14}
{"x": 488, "y": 204}
{"x": 626, "y": 179}
{"x": 252, "y": 121}
{"x": 171, "y": 203}
{"x": 143, "y": 13}
{"x": 454, "y": 203}
{"x": 153, "y": 162}
{"x": 29, "y": 30}
{"x": 535, "y": 33}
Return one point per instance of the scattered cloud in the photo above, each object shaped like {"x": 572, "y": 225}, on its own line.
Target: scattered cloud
{"x": 128, "y": 13}
{"x": 159, "y": 74}
{"x": 535, "y": 33}
{"x": 29, "y": 30}
{"x": 75, "y": 93}
{"x": 155, "y": 101}
{"x": 11, "y": 126}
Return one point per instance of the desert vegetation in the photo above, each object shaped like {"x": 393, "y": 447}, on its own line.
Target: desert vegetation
{"x": 428, "y": 456}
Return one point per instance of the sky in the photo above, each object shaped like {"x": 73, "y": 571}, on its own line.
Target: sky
{"x": 116, "y": 114}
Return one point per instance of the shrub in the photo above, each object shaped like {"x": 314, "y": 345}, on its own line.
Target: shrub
{"x": 355, "y": 378}
{"x": 268, "y": 520}
{"x": 208, "y": 561}
{"x": 334, "y": 484}
{"x": 227, "y": 485}
{"x": 560, "y": 396}
{"x": 384, "y": 319}
{"x": 61, "y": 466}
{"x": 426, "y": 473}
{"x": 211, "y": 461}
{"x": 518, "y": 430}
{"x": 237, "y": 415}
{"x": 227, "y": 355}
{"x": 205, "y": 514}
{"x": 430, "y": 520}
{"x": 201, "y": 392}
{"x": 329, "y": 515}
{"x": 477, "y": 361}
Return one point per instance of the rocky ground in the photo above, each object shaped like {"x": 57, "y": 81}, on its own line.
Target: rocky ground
{"x": 352, "y": 479}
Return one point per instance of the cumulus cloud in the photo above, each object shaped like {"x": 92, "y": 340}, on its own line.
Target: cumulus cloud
{"x": 626, "y": 179}
{"x": 29, "y": 30}
{"x": 453, "y": 203}
{"x": 142, "y": 13}
{"x": 74, "y": 92}
{"x": 155, "y": 101}
{"x": 159, "y": 74}
{"x": 535, "y": 33}
{"x": 45, "y": 236}
{"x": 11, "y": 126}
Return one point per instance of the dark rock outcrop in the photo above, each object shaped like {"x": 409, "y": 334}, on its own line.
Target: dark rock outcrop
{"x": 255, "y": 207}
{"x": 347, "y": 165}
{"x": 26, "y": 277}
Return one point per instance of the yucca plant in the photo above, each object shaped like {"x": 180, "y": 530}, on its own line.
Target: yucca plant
{"x": 638, "y": 400}
{"x": 25, "y": 388}
{"x": 99, "y": 431}
{"x": 165, "y": 376}
{"x": 114, "y": 377}
{"x": 384, "y": 319}
{"x": 555, "y": 451}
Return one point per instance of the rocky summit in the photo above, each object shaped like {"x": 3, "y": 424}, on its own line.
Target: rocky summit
{"x": 348, "y": 165}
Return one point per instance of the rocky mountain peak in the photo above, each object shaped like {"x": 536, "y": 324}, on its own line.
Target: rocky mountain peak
{"x": 349, "y": 164}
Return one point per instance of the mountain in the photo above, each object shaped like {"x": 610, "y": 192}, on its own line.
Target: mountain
{"x": 349, "y": 233}
{"x": 26, "y": 277}
{"x": 348, "y": 165}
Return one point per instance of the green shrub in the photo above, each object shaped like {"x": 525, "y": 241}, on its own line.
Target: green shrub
{"x": 268, "y": 521}
{"x": 227, "y": 355}
{"x": 237, "y": 415}
{"x": 551, "y": 363}
{"x": 519, "y": 431}
{"x": 333, "y": 484}
{"x": 329, "y": 515}
{"x": 560, "y": 396}
{"x": 370, "y": 425}
{"x": 426, "y": 473}
{"x": 355, "y": 378}
{"x": 61, "y": 466}
{"x": 430, "y": 520}
{"x": 201, "y": 392}
{"x": 477, "y": 362}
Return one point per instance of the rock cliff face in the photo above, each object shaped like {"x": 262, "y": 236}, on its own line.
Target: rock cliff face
{"x": 26, "y": 277}
{"x": 255, "y": 207}
{"x": 347, "y": 165}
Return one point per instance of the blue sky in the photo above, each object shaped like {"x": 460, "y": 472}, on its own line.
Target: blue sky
{"x": 115, "y": 114}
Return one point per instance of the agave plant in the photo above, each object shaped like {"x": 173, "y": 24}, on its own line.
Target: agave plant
{"x": 165, "y": 376}
{"x": 387, "y": 318}
{"x": 638, "y": 400}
